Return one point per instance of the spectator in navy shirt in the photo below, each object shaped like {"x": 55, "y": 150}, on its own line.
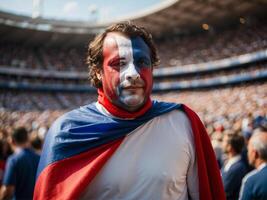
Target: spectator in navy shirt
{"x": 19, "y": 176}
{"x": 235, "y": 168}
{"x": 254, "y": 183}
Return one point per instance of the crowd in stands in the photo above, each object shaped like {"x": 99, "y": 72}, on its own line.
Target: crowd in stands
{"x": 225, "y": 107}
{"x": 16, "y": 55}
{"x": 21, "y": 56}
{"x": 209, "y": 46}
{"x": 28, "y": 101}
{"x": 236, "y": 110}
{"x": 250, "y": 69}
{"x": 174, "y": 51}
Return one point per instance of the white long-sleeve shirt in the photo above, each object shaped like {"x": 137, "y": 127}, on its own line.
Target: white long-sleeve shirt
{"x": 154, "y": 162}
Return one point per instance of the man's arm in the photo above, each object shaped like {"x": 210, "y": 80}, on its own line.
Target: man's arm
{"x": 9, "y": 180}
{"x": 232, "y": 182}
{"x": 246, "y": 187}
{"x": 6, "y": 192}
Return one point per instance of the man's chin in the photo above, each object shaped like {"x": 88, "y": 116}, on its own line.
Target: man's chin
{"x": 132, "y": 104}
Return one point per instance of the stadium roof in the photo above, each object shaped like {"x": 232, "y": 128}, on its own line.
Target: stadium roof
{"x": 186, "y": 15}
{"x": 170, "y": 16}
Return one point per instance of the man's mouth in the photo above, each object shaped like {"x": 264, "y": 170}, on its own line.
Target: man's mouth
{"x": 132, "y": 87}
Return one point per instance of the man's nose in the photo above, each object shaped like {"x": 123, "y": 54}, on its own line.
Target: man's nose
{"x": 132, "y": 73}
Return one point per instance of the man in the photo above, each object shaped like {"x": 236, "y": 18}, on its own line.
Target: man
{"x": 235, "y": 168}
{"x": 254, "y": 183}
{"x": 21, "y": 167}
{"x": 126, "y": 146}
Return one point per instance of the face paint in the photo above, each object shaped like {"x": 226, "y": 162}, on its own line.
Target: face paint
{"x": 127, "y": 71}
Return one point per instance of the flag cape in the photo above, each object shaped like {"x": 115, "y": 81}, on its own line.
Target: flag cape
{"x": 80, "y": 142}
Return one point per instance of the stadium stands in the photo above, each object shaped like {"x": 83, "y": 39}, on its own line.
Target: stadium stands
{"x": 208, "y": 46}
{"x": 219, "y": 72}
{"x": 39, "y": 82}
{"x": 226, "y": 106}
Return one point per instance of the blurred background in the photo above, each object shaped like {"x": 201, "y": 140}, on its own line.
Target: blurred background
{"x": 213, "y": 58}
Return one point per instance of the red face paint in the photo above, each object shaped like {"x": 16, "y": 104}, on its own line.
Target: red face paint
{"x": 110, "y": 74}
{"x": 127, "y": 72}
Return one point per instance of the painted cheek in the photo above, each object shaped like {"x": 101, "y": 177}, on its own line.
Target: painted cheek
{"x": 146, "y": 75}
{"x": 111, "y": 82}
{"x": 110, "y": 75}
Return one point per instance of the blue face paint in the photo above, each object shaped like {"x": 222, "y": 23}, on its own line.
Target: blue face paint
{"x": 141, "y": 53}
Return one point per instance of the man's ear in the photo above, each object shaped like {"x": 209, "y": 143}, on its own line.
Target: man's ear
{"x": 10, "y": 140}
{"x": 256, "y": 154}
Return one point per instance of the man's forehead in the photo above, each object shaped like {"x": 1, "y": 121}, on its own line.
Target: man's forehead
{"x": 112, "y": 40}
{"x": 118, "y": 44}
{"x": 115, "y": 39}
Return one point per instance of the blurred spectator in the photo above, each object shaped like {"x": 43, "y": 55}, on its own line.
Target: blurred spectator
{"x": 216, "y": 141}
{"x": 5, "y": 151}
{"x": 234, "y": 169}
{"x": 36, "y": 143}
{"x": 21, "y": 167}
{"x": 254, "y": 183}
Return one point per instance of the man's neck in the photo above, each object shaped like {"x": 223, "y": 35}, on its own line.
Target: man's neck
{"x": 18, "y": 148}
{"x": 119, "y": 112}
{"x": 231, "y": 161}
{"x": 259, "y": 163}
{"x": 232, "y": 155}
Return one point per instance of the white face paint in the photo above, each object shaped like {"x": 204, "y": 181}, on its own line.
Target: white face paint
{"x": 131, "y": 90}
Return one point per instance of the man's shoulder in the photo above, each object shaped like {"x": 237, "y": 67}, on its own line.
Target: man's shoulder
{"x": 254, "y": 176}
{"x": 31, "y": 153}
{"x": 180, "y": 111}
{"x": 178, "y": 115}
{"x": 261, "y": 174}
{"x": 12, "y": 158}
{"x": 165, "y": 107}
{"x": 76, "y": 115}
{"x": 22, "y": 154}
{"x": 255, "y": 182}
{"x": 239, "y": 166}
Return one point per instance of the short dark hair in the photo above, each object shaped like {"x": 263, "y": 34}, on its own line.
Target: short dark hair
{"x": 36, "y": 142}
{"x": 236, "y": 141}
{"x": 95, "y": 48}
{"x": 19, "y": 135}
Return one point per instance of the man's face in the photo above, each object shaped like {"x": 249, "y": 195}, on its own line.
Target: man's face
{"x": 225, "y": 145}
{"x": 127, "y": 71}
{"x": 251, "y": 153}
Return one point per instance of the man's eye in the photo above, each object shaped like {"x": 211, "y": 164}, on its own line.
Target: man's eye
{"x": 118, "y": 63}
{"x": 122, "y": 63}
{"x": 143, "y": 62}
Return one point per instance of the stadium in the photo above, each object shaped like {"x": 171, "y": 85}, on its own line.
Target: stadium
{"x": 213, "y": 58}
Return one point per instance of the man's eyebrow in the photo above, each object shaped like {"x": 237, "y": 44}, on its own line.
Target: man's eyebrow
{"x": 117, "y": 58}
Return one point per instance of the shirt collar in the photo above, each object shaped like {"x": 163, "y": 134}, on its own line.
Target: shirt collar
{"x": 262, "y": 165}
{"x": 232, "y": 161}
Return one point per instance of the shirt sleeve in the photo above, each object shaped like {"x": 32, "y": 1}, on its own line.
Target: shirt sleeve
{"x": 246, "y": 187}
{"x": 246, "y": 191}
{"x": 10, "y": 172}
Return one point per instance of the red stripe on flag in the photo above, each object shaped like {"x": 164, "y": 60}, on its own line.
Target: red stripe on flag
{"x": 210, "y": 182}
{"x": 68, "y": 178}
